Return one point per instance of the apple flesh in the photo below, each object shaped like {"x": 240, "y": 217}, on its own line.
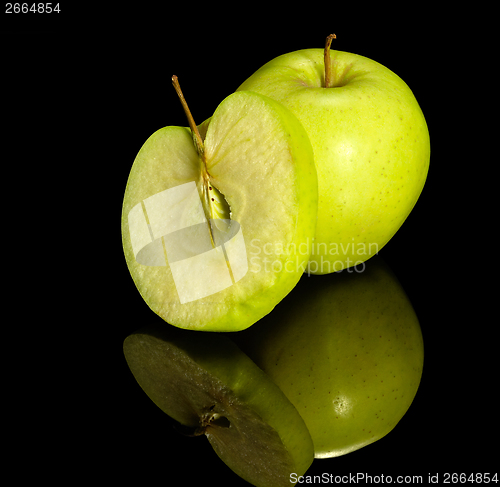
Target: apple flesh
{"x": 371, "y": 148}
{"x": 217, "y": 231}
{"x": 208, "y": 385}
{"x": 347, "y": 350}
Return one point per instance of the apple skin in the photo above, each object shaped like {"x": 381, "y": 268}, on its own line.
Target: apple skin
{"x": 347, "y": 351}
{"x": 371, "y": 148}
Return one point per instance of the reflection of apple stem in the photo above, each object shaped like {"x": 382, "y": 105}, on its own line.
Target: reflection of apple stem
{"x": 208, "y": 420}
{"x": 328, "y": 66}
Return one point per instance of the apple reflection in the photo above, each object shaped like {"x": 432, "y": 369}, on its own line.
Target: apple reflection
{"x": 347, "y": 350}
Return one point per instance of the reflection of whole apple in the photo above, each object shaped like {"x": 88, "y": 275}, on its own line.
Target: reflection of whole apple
{"x": 199, "y": 202}
{"x": 347, "y": 350}
{"x": 210, "y": 387}
{"x": 370, "y": 143}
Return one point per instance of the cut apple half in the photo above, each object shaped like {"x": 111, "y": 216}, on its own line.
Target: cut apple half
{"x": 218, "y": 220}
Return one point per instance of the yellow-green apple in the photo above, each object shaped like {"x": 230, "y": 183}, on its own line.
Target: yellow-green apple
{"x": 217, "y": 219}
{"x": 370, "y": 141}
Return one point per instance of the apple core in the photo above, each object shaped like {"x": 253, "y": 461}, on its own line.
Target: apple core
{"x": 214, "y": 204}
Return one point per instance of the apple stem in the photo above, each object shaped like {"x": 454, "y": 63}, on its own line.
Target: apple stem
{"x": 328, "y": 66}
{"x": 192, "y": 125}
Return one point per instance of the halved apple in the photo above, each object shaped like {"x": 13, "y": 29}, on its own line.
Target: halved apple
{"x": 218, "y": 221}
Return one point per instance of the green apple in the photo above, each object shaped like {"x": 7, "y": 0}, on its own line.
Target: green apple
{"x": 370, "y": 142}
{"x": 347, "y": 350}
{"x": 209, "y": 386}
{"x": 217, "y": 220}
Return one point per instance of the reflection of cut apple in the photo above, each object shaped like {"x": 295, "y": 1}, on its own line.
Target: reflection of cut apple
{"x": 211, "y": 387}
{"x": 218, "y": 220}
{"x": 347, "y": 350}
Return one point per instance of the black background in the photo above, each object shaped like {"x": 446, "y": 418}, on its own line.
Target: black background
{"x": 84, "y": 93}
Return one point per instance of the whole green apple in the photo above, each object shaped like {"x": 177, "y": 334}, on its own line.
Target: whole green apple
{"x": 347, "y": 350}
{"x": 370, "y": 141}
